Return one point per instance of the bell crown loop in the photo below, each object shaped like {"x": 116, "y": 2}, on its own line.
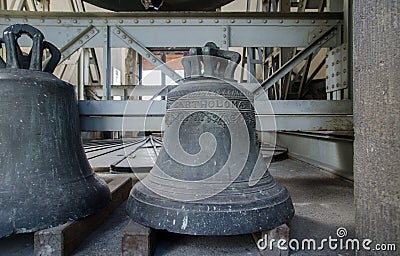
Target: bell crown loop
{"x": 217, "y": 63}
{"x": 33, "y": 61}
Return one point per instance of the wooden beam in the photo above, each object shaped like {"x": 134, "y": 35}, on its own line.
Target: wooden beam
{"x": 64, "y": 239}
{"x": 138, "y": 240}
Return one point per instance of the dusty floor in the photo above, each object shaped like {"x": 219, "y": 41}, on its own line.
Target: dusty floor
{"x": 323, "y": 204}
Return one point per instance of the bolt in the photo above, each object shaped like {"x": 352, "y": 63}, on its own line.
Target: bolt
{"x": 154, "y": 60}
{"x": 314, "y": 35}
{"x": 58, "y": 21}
{"x": 333, "y": 86}
{"x": 105, "y": 21}
{"x": 297, "y": 21}
{"x": 344, "y": 71}
{"x": 200, "y": 21}
{"x": 337, "y": 73}
{"x": 224, "y": 42}
{"x": 130, "y": 41}
{"x": 265, "y": 21}
{"x": 338, "y": 61}
{"x": 320, "y": 30}
{"x": 326, "y": 21}
{"x": 121, "y": 21}
{"x": 168, "y": 21}
{"x": 80, "y": 41}
{"x": 90, "y": 21}
{"x": 148, "y": 55}
{"x": 224, "y": 29}
{"x": 184, "y": 21}
{"x": 136, "y": 21}
{"x": 232, "y": 21}
{"x": 42, "y": 20}
{"x": 118, "y": 32}
{"x": 281, "y": 21}
{"x": 124, "y": 36}
{"x": 248, "y": 21}
{"x": 216, "y": 21}
{"x": 151, "y": 21}
{"x": 333, "y": 75}
{"x": 313, "y": 21}
{"x": 75, "y": 21}
{"x": 87, "y": 37}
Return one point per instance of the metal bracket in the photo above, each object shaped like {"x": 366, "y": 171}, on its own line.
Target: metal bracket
{"x": 314, "y": 34}
{"x": 146, "y": 53}
{"x": 80, "y": 40}
{"x": 336, "y": 70}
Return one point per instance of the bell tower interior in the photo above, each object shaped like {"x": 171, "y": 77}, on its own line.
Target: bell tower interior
{"x": 319, "y": 75}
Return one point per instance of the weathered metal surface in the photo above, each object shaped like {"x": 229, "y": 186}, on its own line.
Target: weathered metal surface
{"x": 162, "y": 5}
{"x": 210, "y": 177}
{"x": 45, "y": 178}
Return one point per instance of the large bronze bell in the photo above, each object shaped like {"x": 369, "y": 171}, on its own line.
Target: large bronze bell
{"x": 45, "y": 178}
{"x": 210, "y": 177}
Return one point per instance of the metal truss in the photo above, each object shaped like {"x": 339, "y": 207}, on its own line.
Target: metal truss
{"x": 143, "y": 31}
{"x": 180, "y": 29}
{"x": 73, "y": 32}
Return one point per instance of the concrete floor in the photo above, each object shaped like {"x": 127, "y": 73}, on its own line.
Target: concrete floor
{"x": 323, "y": 203}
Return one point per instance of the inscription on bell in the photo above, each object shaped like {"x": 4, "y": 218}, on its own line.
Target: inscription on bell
{"x": 210, "y": 104}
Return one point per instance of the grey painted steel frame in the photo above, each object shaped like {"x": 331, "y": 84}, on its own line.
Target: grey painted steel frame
{"x": 191, "y": 29}
{"x": 182, "y": 29}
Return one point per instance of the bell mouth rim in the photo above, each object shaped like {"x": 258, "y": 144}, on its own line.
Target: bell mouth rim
{"x": 262, "y": 217}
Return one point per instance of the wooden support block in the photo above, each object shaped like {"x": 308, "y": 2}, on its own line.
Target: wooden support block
{"x": 137, "y": 240}
{"x": 271, "y": 239}
{"x": 64, "y": 239}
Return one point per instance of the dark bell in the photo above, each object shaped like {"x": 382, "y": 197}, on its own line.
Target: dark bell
{"x": 210, "y": 177}
{"x": 45, "y": 178}
{"x": 161, "y": 5}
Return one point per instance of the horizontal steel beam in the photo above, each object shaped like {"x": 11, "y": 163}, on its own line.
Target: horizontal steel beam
{"x": 191, "y": 29}
{"x": 128, "y": 90}
{"x": 276, "y": 115}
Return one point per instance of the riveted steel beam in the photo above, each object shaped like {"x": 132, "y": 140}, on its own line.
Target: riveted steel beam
{"x": 192, "y": 29}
